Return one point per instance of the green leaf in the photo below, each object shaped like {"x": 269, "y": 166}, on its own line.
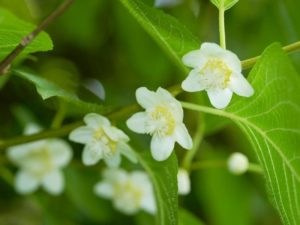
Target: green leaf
{"x": 172, "y": 36}
{"x": 12, "y": 31}
{"x": 225, "y": 4}
{"x": 164, "y": 179}
{"x": 187, "y": 218}
{"x": 271, "y": 121}
{"x": 47, "y": 89}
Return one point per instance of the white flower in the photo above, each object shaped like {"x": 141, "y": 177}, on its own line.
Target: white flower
{"x": 166, "y": 3}
{"x": 238, "y": 163}
{"x": 40, "y": 164}
{"x": 102, "y": 141}
{"x": 129, "y": 192}
{"x": 184, "y": 183}
{"x": 218, "y": 71}
{"x": 162, "y": 119}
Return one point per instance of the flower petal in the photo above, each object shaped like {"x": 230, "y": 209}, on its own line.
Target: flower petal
{"x": 104, "y": 189}
{"x": 25, "y": 182}
{"x": 127, "y": 151}
{"x": 168, "y": 100}
{"x": 61, "y": 152}
{"x": 113, "y": 161}
{"x": 219, "y": 98}
{"x": 195, "y": 59}
{"x": 193, "y": 82}
{"x": 81, "y": 135}
{"x": 115, "y": 134}
{"x": 232, "y": 60}
{"x": 211, "y": 50}
{"x": 92, "y": 154}
{"x": 95, "y": 121}
{"x": 183, "y": 137}
{"x": 138, "y": 123}
{"x": 148, "y": 203}
{"x": 240, "y": 85}
{"x": 161, "y": 147}
{"x": 54, "y": 183}
{"x": 145, "y": 97}
{"x": 32, "y": 128}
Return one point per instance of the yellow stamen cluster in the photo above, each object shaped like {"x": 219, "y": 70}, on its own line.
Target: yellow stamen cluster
{"x": 218, "y": 69}
{"x": 164, "y": 115}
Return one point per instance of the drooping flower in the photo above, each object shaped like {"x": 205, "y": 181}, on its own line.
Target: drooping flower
{"x": 102, "y": 141}
{"x": 40, "y": 164}
{"x": 238, "y": 163}
{"x": 163, "y": 119}
{"x": 166, "y": 3}
{"x": 129, "y": 192}
{"x": 184, "y": 183}
{"x": 218, "y": 71}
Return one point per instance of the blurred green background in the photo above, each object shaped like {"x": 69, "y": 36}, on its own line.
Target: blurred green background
{"x": 98, "y": 39}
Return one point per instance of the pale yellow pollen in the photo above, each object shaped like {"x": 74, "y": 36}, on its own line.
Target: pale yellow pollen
{"x": 165, "y": 116}
{"x": 102, "y": 136}
{"x": 40, "y": 161}
{"x": 218, "y": 68}
{"x": 128, "y": 188}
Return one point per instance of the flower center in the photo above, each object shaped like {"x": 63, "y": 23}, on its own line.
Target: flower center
{"x": 39, "y": 162}
{"x": 100, "y": 135}
{"x": 215, "y": 74}
{"x": 163, "y": 120}
{"x": 128, "y": 193}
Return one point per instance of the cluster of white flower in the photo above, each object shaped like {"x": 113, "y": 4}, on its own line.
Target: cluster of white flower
{"x": 216, "y": 70}
{"x": 162, "y": 119}
{"x": 40, "y": 163}
{"x": 102, "y": 141}
{"x": 130, "y": 192}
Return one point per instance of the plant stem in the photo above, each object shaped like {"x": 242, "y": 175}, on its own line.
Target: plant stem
{"x": 5, "y": 63}
{"x": 222, "y": 25}
{"x": 59, "y": 116}
{"x": 188, "y": 158}
{"x": 294, "y": 47}
{"x": 255, "y": 168}
{"x": 120, "y": 113}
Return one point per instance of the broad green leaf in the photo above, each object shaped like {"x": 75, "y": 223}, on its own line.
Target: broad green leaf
{"x": 187, "y": 218}
{"x": 172, "y": 36}
{"x": 47, "y": 89}
{"x": 271, "y": 121}
{"x": 225, "y": 4}
{"x": 164, "y": 179}
{"x": 12, "y": 30}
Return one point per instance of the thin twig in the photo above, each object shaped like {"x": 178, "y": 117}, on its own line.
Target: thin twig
{"x": 116, "y": 114}
{"x": 6, "y": 62}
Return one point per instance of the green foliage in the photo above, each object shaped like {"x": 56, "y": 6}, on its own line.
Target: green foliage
{"x": 187, "y": 218}
{"x": 171, "y": 35}
{"x": 164, "y": 179}
{"x": 12, "y": 30}
{"x": 47, "y": 89}
{"x": 271, "y": 121}
{"x": 225, "y": 4}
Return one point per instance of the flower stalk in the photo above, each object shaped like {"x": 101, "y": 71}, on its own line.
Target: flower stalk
{"x": 222, "y": 25}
